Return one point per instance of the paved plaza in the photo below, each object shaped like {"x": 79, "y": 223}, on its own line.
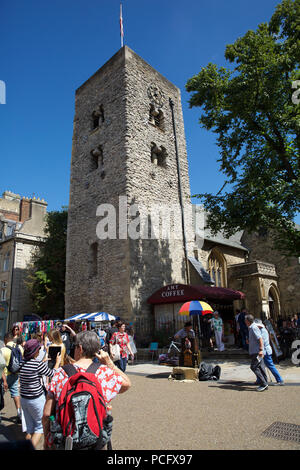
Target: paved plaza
{"x": 161, "y": 414}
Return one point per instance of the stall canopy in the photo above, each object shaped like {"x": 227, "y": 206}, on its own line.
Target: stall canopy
{"x": 96, "y": 316}
{"x": 183, "y": 293}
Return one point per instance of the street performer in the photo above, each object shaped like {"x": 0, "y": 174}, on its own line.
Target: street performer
{"x": 188, "y": 345}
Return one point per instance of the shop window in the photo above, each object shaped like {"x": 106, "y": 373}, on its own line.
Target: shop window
{"x": 158, "y": 155}
{"x": 217, "y": 269}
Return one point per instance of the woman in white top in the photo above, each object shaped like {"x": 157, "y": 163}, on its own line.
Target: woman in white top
{"x": 218, "y": 326}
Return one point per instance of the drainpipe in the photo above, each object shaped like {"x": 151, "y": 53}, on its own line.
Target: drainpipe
{"x": 180, "y": 191}
{"x": 11, "y": 284}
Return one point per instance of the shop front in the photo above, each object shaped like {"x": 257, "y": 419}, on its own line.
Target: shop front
{"x": 167, "y": 301}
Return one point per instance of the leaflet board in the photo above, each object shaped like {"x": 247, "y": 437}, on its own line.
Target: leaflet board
{"x": 273, "y": 339}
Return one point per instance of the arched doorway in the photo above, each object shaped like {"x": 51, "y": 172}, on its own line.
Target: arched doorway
{"x": 274, "y": 302}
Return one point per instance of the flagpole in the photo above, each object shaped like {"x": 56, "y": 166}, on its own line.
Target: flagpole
{"x": 121, "y": 25}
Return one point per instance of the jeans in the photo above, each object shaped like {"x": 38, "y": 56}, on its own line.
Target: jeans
{"x": 258, "y": 367}
{"x": 270, "y": 365}
{"x": 13, "y": 385}
{"x": 122, "y": 363}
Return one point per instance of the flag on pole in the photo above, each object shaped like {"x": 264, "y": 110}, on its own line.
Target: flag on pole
{"x": 121, "y": 25}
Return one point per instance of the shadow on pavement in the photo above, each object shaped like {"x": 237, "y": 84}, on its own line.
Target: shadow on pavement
{"x": 245, "y": 386}
{"x": 10, "y": 431}
{"x": 161, "y": 375}
{"x": 235, "y": 387}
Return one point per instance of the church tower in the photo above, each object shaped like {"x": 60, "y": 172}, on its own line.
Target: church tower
{"x": 128, "y": 159}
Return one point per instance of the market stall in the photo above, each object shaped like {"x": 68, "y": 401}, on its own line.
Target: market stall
{"x": 27, "y": 328}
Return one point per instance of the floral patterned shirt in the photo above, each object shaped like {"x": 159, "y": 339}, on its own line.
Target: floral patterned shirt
{"x": 111, "y": 383}
{"x": 217, "y": 324}
{"x": 122, "y": 340}
{"x": 109, "y": 379}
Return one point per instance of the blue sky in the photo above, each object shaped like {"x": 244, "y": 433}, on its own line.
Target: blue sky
{"x": 49, "y": 48}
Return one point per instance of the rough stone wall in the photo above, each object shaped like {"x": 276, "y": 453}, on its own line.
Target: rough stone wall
{"x": 287, "y": 269}
{"x": 129, "y": 271}
{"x": 109, "y": 289}
{"x": 155, "y": 262}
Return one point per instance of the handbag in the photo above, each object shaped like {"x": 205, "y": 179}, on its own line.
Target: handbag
{"x": 115, "y": 352}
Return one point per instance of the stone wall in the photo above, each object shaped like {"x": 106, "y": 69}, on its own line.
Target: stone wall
{"x": 157, "y": 262}
{"x": 106, "y": 285}
{"x": 255, "y": 279}
{"x": 287, "y": 269}
{"x": 128, "y": 270}
{"x": 231, "y": 256}
{"x": 28, "y": 216}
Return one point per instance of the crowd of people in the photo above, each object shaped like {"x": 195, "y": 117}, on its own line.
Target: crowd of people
{"x": 37, "y": 383}
{"x": 285, "y": 329}
{"x": 36, "y": 371}
{"x": 254, "y": 338}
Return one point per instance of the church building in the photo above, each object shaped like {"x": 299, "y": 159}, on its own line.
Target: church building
{"x": 129, "y": 176}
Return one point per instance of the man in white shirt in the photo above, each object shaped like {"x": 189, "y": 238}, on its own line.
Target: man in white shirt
{"x": 256, "y": 351}
{"x": 268, "y": 360}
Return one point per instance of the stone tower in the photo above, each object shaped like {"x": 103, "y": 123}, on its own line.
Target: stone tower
{"x": 126, "y": 152}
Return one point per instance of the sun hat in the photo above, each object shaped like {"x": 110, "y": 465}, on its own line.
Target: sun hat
{"x": 30, "y": 348}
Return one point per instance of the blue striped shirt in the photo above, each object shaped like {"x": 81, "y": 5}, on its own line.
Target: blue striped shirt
{"x": 30, "y": 374}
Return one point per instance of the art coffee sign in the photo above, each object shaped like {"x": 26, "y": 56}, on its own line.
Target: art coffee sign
{"x": 183, "y": 293}
{"x": 173, "y": 293}
{"x": 174, "y": 290}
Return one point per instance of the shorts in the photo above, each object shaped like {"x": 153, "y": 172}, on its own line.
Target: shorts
{"x": 13, "y": 385}
{"x": 33, "y": 412}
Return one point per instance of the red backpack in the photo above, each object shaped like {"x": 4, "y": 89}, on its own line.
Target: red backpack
{"x": 82, "y": 408}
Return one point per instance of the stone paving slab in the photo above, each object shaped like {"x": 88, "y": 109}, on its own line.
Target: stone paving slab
{"x": 234, "y": 370}
{"x": 159, "y": 414}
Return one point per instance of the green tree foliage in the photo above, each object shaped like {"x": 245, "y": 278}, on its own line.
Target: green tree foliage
{"x": 251, "y": 107}
{"x": 46, "y": 276}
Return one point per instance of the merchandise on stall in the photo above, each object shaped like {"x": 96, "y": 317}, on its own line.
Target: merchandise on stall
{"x": 30, "y": 327}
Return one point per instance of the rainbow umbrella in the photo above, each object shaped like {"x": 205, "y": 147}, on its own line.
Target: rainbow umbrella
{"x": 195, "y": 307}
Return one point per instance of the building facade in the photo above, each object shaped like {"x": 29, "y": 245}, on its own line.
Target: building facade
{"x": 129, "y": 157}
{"x": 126, "y": 160}
{"x": 22, "y": 222}
{"x": 285, "y": 297}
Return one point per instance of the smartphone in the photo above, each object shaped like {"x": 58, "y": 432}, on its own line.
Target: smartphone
{"x": 52, "y": 352}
